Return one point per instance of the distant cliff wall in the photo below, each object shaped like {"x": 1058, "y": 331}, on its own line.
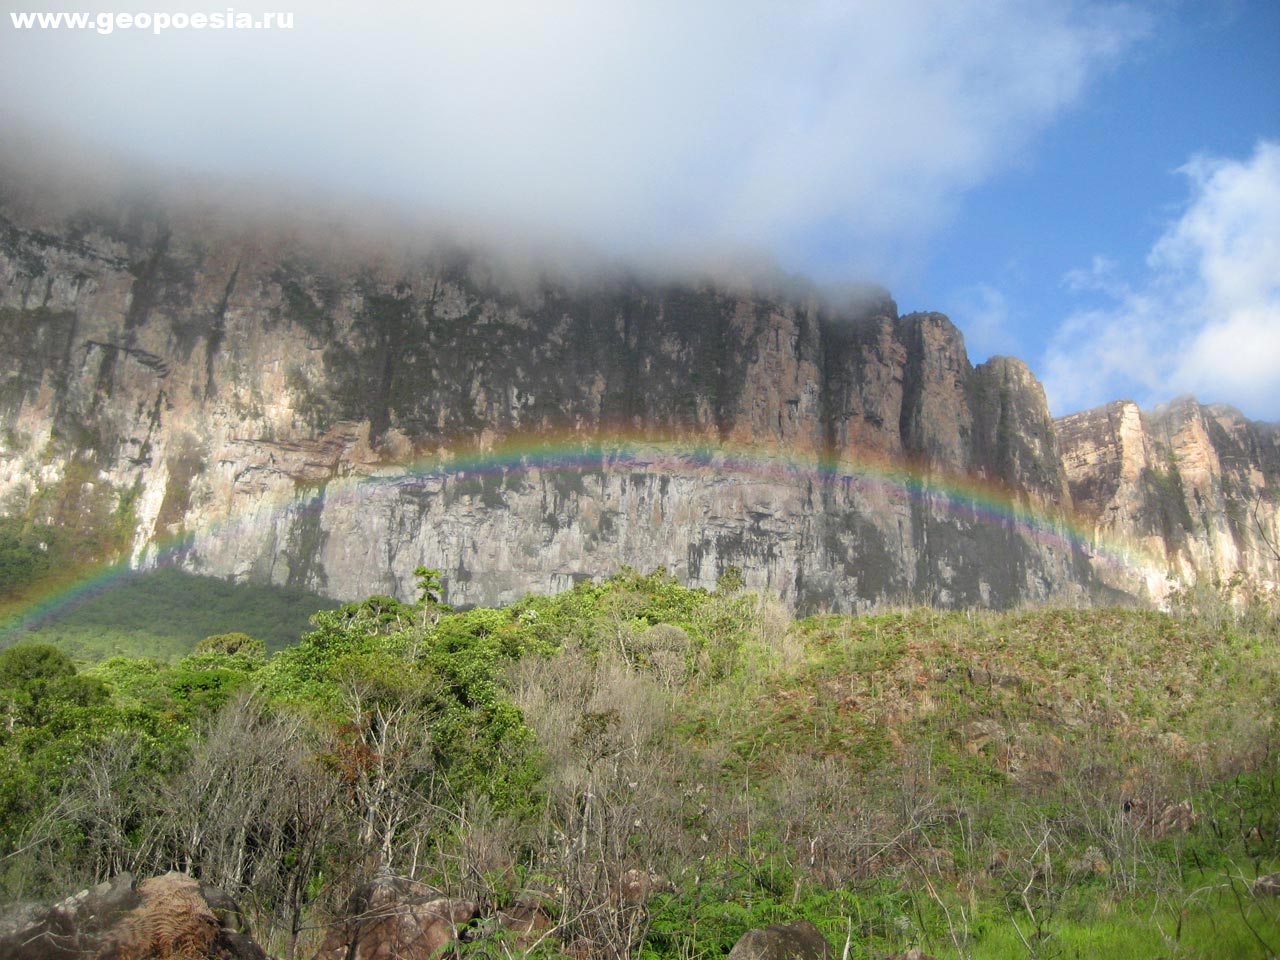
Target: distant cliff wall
{"x": 277, "y": 412}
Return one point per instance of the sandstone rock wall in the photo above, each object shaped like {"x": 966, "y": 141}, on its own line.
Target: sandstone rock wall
{"x": 250, "y": 404}
{"x": 1186, "y": 492}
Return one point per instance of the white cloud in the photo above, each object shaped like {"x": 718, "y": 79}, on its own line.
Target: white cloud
{"x": 1100, "y": 277}
{"x": 847, "y": 128}
{"x": 1206, "y": 317}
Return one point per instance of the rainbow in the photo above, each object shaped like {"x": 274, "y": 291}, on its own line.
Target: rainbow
{"x": 971, "y": 497}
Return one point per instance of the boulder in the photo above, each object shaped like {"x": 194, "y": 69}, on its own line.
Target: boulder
{"x": 1176, "y": 818}
{"x": 225, "y": 908}
{"x": 798, "y": 940}
{"x": 167, "y": 916}
{"x": 71, "y": 928}
{"x": 1268, "y": 886}
{"x": 393, "y": 918}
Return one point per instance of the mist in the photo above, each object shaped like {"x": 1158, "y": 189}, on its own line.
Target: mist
{"x": 825, "y": 138}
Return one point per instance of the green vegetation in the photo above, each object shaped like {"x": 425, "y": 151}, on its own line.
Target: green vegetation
{"x": 1043, "y": 783}
{"x": 40, "y": 555}
{"x": 165, "y": 613}
{"x": 25, "y": 556}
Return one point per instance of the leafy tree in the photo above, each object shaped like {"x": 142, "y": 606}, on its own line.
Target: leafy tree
{"x": 233, "y": 643}
{"x": 370, "y": 671}
{"x": 53, "y": 717}
{"x": 134, "y": 682}
{"x": 202, "y": 682}
{"x": 484, "y": 745}
{"x": 27, "y": 553}
{"x": 33, "y": 661}
{"x": 38, "y": 679}
{"x": 731, "y": 580}
{"x": 303, "y": 674}
{"x": 430, "y": 593}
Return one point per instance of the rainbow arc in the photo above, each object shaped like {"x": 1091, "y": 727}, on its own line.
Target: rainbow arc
{"x": 970, "y": 497}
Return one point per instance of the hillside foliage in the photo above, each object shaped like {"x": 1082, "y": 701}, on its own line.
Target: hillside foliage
{"x": 161, "y": 613}
{"x": 1041, "y": 783}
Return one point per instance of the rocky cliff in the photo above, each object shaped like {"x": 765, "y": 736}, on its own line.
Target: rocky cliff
{"x": 251, "y": 403}
{"x": 1185, "y": 492}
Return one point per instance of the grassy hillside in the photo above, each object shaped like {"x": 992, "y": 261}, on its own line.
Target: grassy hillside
{"x": 1047, "y": 783}
{"x": 164, "y": 613}
{"x": 1033, "y": 784}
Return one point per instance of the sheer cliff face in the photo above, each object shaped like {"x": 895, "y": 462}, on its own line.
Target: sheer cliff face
{"x": 263, "y": 405}
{"x": 1189, "y": 490}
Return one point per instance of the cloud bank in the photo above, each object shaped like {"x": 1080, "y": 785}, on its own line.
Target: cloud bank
{"x": 1205, "y": 317}
{"x": 830, "y": 135}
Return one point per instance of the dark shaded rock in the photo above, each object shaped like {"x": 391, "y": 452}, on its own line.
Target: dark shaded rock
{"x": 225, "y": 908}
{"x": 72, "y": 928}
{"x": 163, "y": 916}
{"x": 1014, "y": 441}
{"x": 231, "y": 945}
{"x": 18, "y": 916}
{"x": 798, "y": 940}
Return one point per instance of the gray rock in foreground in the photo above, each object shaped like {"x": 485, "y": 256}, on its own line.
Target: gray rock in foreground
{"x": 798, "y": 940}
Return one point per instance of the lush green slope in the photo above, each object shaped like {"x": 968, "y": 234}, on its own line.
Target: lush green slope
{"x": 1044, "y": 783}
{"x": 1031, "y": 784}
{"x": 164, "y": 613}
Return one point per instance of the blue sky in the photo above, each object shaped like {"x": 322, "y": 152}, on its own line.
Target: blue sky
{"x": 1103, "y": 181}
{"x": 1092, "y": 186}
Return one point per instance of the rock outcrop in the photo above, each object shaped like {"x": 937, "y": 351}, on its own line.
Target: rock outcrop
{"x": 170, "y": 916}
{"x": 394, "y": 918}
{"x": 1178, "y": 494}
{"x": 798, "y": 940}
{"x": 245, "y": 403}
